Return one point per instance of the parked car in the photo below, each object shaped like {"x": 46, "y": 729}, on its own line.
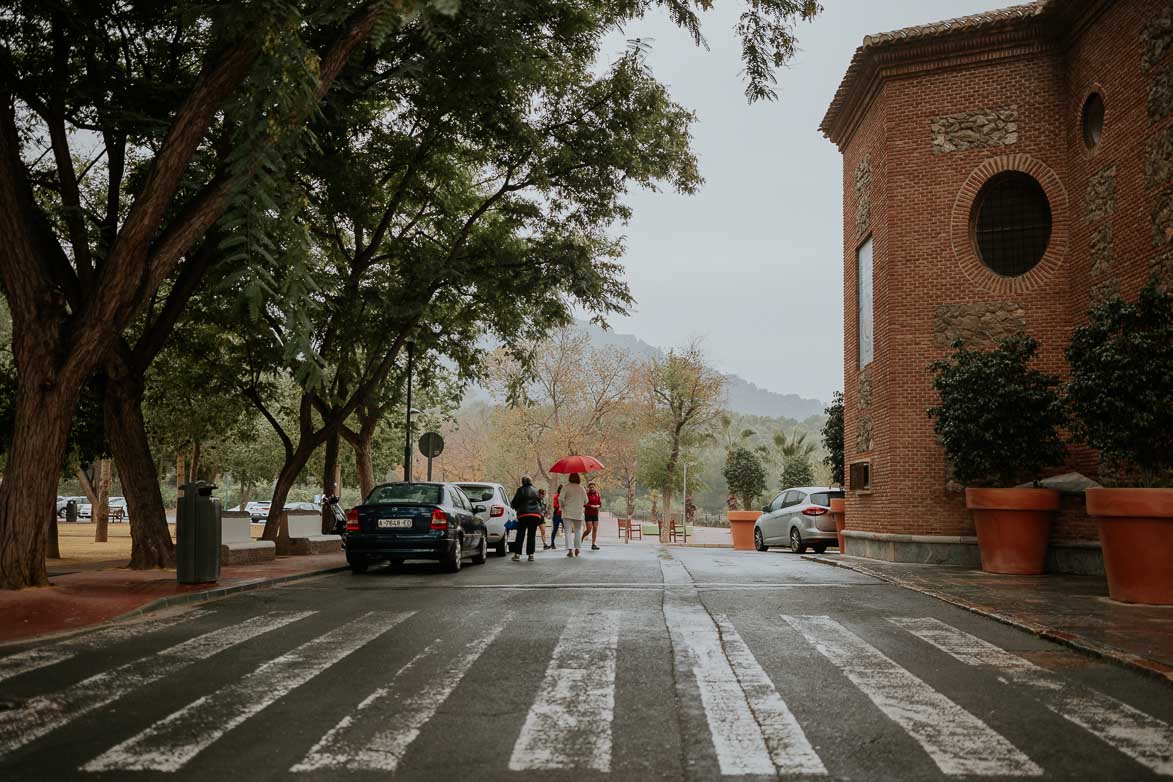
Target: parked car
{"x": 496, "y": 513}
{"x": 401, "y": 521}
{"x": 62, "y": 502}
{"x": 258, "y": 510}
{"x": 303, "y": 506}
{"x": 114, "y": 504}
{"x": 798, "y": 518}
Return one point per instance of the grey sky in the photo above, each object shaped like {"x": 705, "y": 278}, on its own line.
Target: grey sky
{"x": 753, "y": 263}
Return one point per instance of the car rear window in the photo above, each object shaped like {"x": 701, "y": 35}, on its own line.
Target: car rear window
{"x": 477, "y": 492}
{"x": 406, "y": 493}
{"x": 824, "y": 497}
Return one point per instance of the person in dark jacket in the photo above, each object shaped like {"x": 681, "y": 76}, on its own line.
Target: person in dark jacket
{"x": 528, "y": 504}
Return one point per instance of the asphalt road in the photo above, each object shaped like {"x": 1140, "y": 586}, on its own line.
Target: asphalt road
{"x": 635, "y": 662}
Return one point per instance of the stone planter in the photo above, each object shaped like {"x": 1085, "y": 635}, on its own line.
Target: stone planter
{"x": 1136, "y": 536}
{"x": 1013, "y": 526}
{"x": 741, "y": 524}
{"x": 838, "y": 513}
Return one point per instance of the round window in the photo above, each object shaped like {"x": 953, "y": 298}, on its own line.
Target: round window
{"x": 1012, "y": 223}
{"x": 1092, "y": 119}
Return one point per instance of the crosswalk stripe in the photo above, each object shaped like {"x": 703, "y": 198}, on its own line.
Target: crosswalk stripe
{"x": 1145, "y": 739}
{"x": 45, "y": 713}
{"x": 576, "y": 699}
{"x": 53, "y": 653}
{"x": 173, "y": 741}
{"x": 345, "y": 745}
{"x": 957, "y": 741}
{"x": 789, "y": 747}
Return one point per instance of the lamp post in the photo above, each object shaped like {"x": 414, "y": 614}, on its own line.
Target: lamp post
{"x": 410, "y": 341}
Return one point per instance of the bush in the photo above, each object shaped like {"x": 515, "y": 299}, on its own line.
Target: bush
{"x": 1121, "y": 386}
{"x": 745, "y": 475}
{"x": 797, "y": 472}
{"x": 833, "y": 438}
{"x": 998, "y": 418}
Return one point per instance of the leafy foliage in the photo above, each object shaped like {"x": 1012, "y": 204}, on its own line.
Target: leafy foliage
{"x": 833, "y": 438}
{"x": 798, "y": 471}
{"x": 745, "y": 475}
{"x": 1121, "y": 386}
{"x": 998, "y": 418}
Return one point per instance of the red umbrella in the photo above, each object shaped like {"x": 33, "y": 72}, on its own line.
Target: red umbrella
{"x": 571, "y": 464}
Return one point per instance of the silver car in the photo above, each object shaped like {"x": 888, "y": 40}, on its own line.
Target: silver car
{"x": 799, "y": 518}
{"x": 491, "y": 504}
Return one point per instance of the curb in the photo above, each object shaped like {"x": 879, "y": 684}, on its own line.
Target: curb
{"x": 1143, "y": 665}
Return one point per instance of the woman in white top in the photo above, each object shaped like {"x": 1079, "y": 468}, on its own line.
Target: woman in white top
{"x": 573, "y": 501}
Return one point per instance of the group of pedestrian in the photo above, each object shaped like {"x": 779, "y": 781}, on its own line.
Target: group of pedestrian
{"x": 575, "y": 511}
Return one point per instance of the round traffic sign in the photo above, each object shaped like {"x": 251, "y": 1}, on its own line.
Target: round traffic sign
{"x": 431, "y": 444}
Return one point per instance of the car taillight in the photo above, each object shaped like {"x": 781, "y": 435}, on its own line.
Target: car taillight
{"x": 352, "y": 520}
{"x": 439, "y": 519}
{"x": 498, "y": 510}
{"x": 814, "y": 511}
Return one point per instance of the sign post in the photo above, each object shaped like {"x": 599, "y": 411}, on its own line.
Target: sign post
{"x": 431, "y": 446}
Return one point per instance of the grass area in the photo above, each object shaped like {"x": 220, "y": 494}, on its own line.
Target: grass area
{"x": 78, "y": 547}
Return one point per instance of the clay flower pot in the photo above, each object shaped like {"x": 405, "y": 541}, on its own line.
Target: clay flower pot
{"x": 838, "y": 509}
{"x": 741, "y": 525}
{"x": 1013, "y": 526}
{"x": 1136, "y": 536}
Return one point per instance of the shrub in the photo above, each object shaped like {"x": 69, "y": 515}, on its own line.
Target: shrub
{"x": 833, "y": 438}
{"x": 798, "y": 472}
{"x": 998, "y": 418}
{"x": 745, "y": 475}
{"x": 1121, "y": 386}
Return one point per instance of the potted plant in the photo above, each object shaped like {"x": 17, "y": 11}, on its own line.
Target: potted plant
{"x": 1121, "y": 394}
{"x": 999, "y": 421}
{"x": 746, "y": 478}
{"x": 833, "y": 442}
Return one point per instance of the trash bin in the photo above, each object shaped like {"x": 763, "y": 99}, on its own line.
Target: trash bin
{"x": 71, "y": 511}
{"x": 197, "y": 534}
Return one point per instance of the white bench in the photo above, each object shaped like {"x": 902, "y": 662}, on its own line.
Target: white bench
{"x": 303, "y": 530}
{"x": 237, "y": 546}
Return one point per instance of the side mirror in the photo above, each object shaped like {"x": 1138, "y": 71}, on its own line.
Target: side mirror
{"x": 479, "y": 508}
{"x": 765, "y": 509}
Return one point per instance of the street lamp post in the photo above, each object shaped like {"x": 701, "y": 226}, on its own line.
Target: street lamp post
{"x": 407, "y": 429}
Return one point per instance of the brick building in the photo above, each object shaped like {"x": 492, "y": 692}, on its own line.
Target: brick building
{"x": 1000, "y": 172}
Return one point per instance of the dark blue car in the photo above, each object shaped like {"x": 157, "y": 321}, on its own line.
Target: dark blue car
{"x": 401, "y": 521}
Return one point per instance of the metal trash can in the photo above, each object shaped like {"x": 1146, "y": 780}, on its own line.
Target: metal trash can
{"x": 71, "y": 511}
{"x": 197, "y": 534}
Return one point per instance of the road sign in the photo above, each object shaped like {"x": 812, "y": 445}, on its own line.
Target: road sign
{"x": 431, "y": 445}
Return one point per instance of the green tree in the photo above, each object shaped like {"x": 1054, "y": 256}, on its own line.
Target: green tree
{"x": 833, "y": 438}
{"x": 798, "y": 471}
{"x": 745, "y": 475}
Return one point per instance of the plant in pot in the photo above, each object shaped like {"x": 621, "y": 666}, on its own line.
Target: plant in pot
{"x": 746, "y": 478}
{"x": 1121, "y": 394}
{"x": 833, "y": 442}
{"x": 999, "y": 419}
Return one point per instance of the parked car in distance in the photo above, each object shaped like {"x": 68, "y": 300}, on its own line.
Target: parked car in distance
{"x": 62, "y": 502}
{"x": 303, "y": 506}
{"x": 114, "y": 504}
{"x": 495, "y": 514}
{"x": 258, "y": 510}
{"x": 401, "y": 521}
{"x": 799, "y": 518}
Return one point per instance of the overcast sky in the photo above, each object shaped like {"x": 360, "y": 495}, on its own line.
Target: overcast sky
{"x": 753, "y": 262}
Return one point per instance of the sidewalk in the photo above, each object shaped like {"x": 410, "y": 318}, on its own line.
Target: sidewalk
{"x": 90, "y": 593}
{"x": 1071, "y": 610}
{"x": 704, "y": 537}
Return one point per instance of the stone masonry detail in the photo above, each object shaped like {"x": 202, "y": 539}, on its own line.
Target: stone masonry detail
{"x": 974, "y": 129}
{"x": 1162, "y": 266}
{"x": 1158, "y": 159}
{"x": 863, "y": 195}
{"x": 1157, "y": 38}
{"x": 864, "y": 439}
{"x": 1101, "y": 194}
{"x": 987, "y": 322}
{"x": 1163, "y": 219}
{"x": 1101, "y": 250}
{"x": 1161, "y": 95}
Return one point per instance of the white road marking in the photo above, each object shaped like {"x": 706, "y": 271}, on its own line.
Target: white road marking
{"x": 791, "y": 751}
{"x": 53, "y": 653}
{"x": 957, "y": 741}
{"x": 404, "y": 714}
{"x": 173, "y": 741}
{"x": 1145, "y": 739}
{"x": 45, "y": 713}
{"x": 576, "y": 700}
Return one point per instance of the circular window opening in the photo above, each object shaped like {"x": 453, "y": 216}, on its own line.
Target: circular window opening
{"x": 1093, "y": 120}
{"x": 1012, "y": 223}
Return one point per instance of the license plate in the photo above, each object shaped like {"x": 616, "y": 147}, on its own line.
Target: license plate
{"x": 394, "y": 523}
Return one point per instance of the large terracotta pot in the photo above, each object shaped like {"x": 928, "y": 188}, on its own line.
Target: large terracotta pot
{"x": 1136, "y": 536}
{"x": 741, "y": 525}
{"x": 838, "y": 509}
{"x": 1013, "y": 526}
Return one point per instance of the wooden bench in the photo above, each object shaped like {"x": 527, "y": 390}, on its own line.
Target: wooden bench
{"x": 629, "y": 529}
{"x": 678, "y": 529}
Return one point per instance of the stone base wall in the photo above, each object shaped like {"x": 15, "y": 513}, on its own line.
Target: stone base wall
{"x": 1071, "y": 557}
{"x": 247, "y": 554}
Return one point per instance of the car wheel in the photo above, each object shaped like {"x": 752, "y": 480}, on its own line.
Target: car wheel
{"x": 819, "y": 548}
{"x": 359, "y": 567}
{"x": 482, "y": 554}
{"x": 502, "y": 547}
{"x": 61, "y": 514}
{"x": 758, "y": 541}
{"x": 455, "y": 557}
{"x": 796, "y": 544}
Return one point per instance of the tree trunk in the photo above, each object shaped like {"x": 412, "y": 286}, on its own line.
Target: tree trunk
{"x": 329, "y": 482}
{"x": 246, "y": 493}
{"x": 285, "y": 480}
{"x": 180, "y": 470}
{"x": 87, "y": 488}
{"x": 364, "y": 463}
{"x": 194, "y": 470}
{"x": 101, "y": 512}
{"x": 630, "y": 498}
{"x": 150, "y": 539}
{"x": 53, "y": 547}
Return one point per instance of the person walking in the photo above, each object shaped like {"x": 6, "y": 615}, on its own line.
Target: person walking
{"x": 542, "y": 524}
{"x": 557, "y": 518}
{"x": 573, "y": 502}
{"x": 528, "y": 505}
{"x": 591, "y": 513}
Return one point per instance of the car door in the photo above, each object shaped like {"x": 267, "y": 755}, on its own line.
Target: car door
{"x": 771, "y": 521}
{"x": 792, "y": 509}
{"x": 468, "y": 519}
